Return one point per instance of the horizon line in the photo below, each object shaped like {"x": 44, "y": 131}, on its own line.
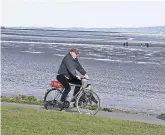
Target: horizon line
{"x": 83, "y": 27}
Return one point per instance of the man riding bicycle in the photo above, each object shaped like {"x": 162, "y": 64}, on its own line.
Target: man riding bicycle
{"x": 67, "y": 74}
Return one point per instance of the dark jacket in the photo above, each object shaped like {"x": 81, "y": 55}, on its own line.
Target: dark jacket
{"x": 69, "y": 66}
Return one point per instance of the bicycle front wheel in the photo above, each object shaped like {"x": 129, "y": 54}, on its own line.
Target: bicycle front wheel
{"x": 88, "y": 102}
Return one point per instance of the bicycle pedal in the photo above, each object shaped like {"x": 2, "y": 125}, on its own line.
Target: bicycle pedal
{"x": 66, "y": 104}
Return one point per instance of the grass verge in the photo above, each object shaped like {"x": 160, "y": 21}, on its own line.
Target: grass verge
{"x": 34, "y": 100}
{"x": 22, "y": 99}
{"x": 25, "y": 121}
{"x": 163, "y": 114}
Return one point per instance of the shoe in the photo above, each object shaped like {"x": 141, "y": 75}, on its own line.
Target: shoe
{"x": 61, "y": 105}
{"x": 45, "y": 105}
{"x": 94, "y": 100}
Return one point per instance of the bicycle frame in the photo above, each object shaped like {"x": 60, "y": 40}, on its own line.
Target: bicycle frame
{"x": 81, "y": 89}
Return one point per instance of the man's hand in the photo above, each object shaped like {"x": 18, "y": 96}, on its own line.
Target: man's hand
{"x": 86, "y": 76}
{"x": 78, "y": 77}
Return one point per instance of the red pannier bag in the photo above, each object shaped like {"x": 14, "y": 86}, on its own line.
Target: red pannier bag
{"x": 56, "y": 84}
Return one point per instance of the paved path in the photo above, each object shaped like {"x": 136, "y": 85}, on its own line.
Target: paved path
{"x": 121, "y": 116}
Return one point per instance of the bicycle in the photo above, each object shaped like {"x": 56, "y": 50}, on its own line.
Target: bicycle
{"x": 86, "y": 101}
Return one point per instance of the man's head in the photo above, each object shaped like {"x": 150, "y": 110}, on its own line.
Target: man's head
{"x": 74, "y": 53}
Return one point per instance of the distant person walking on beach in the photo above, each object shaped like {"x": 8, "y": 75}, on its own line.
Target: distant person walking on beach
{"x": 67, "y": 74}
{"x": 147, "y": 44}
{"x": 126, "y": 43}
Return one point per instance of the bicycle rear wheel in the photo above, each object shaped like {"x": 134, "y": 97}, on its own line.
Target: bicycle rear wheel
{"x": 88, "y": 102}
{"x": 51, "y": 98}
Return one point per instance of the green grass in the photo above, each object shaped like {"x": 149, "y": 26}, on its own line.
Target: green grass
{"x": 163, "y": 114}
{"x": 33, "y": 100}
{"x": 22, "y": 99}
{"x": 24, "y": 121}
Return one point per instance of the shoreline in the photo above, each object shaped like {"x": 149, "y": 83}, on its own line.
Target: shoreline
{"x": 32, "y": 100}
{"x": 106, "y": 30}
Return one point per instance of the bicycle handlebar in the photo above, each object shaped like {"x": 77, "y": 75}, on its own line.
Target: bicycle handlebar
{"x": 84, "y": 78}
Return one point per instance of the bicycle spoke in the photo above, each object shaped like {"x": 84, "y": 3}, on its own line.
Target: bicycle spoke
{"x": 51, "y": 99}
{"x": 88, "y": 103}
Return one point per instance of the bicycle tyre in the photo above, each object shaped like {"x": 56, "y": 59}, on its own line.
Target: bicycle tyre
{"x": 87, "y": 109}
{"x": 52, "y": 102}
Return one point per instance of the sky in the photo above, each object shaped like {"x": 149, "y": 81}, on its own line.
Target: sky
{"x": 88, "y": 14}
